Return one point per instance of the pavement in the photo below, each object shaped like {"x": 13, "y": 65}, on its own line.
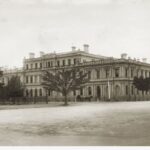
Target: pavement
{"x": 80, "y": 124}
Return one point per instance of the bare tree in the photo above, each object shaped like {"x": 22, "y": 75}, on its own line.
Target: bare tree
{"x": 64, "y": 81}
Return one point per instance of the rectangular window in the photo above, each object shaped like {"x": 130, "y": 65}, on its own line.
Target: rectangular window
{"x": 89, "y": 74}
{"x": 137, "y": 73}
{"x": 127, "y": 90}
{"x": 74, "y": 92}
{"x": 81, "y": 91}
{"x": 35, "y": 79}
{"x": 117, "y": 72}
{"x": 40, "y": 65}
{"x": 58, "y": 64}
{"x": 132, "y": 90}
{"x": 69, "y": 62}
{"x": 131, "y": 73}
{"x": 49, "y": 65}
{"x": 40, "y": 92}
{"x": 49, "y": 92}
{"x": 31, "y": 66}
{"x": 36, "y": 66}
{"x": 146, "y": 74}
{"x": 74, "y": 60}
{"x": 27, "y": 66}
{"x": 107, "y": 73}
{"x": 31, "y": 79}
{"x": 98, "y": 74}
{"x": 142, "y": 73}
{"x": 126, "y": 72}
{"x": 27, "y": 81}
{"x": 64, "y": 63}
{"x": 89, "y": 91}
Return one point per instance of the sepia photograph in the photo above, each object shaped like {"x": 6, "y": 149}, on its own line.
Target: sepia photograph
{"x": 74, "y": 73}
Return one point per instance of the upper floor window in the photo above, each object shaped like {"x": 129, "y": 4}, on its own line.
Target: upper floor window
{"x": 69, "y": 62}
{"x": 107, "y": 73}
{"x": 137, "y": 72}
{"x": 27, "y": 79}
{"x": 35, "y": 79}
{"x": 31, "y": 66}
{"x": 117, "y": 72}
{"x": 74, "y": 60}
{"x": 131, "y": 73}
{"x": 48, "y": 63}
{"x": 126, "y": 72}
{"x": 27, "y": 66}
{"x": 146, "y": 73}
{"x": 51, "y": 63}
{"x": 142, "y": 73}
{"x": 36, "y": 65}
{"x": 64, "y": 63}
{"x": 40, "y": 65}
{"x": 31, "y": 79}
{"x": 98, "y": 74}
{"x": 89, "y": 74}
{"x": 58, "y": 63}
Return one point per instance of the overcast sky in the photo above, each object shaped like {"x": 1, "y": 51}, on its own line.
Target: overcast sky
{"x": 110, "y": 27}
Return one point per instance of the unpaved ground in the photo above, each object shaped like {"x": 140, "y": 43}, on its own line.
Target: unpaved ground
{"x": 117, "y": 123}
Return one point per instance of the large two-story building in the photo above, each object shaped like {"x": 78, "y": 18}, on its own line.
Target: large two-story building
{"x": 110, "y": 78}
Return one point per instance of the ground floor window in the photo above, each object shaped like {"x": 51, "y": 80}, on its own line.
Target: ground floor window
{"x": 132, "y": 90}
{"x": 127, "y": 90}
{"x": 89, "y": 91}
{"x": 31, "y": 93}
{"x": 81, "y": 91}
{"x": 49, "y": 92}
{"x": 27, "y": 93}
{"x": 40, "y": 91}
{"x": 35, "y": 93}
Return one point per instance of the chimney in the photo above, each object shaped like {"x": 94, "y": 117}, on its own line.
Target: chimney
{"x": 41, "y": 53}
{"x": 86, "y": 47}
{"x": 124, "y": 56}
{"x": 73, "y": 48}
{"x": 144, "y": 60}
{"x": 31, "y": 55}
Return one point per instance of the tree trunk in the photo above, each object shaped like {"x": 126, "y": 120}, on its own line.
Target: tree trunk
{"x": 65, "y": 100}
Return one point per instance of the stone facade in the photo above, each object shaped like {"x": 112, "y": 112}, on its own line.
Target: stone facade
{"x": 110, "y": 78}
